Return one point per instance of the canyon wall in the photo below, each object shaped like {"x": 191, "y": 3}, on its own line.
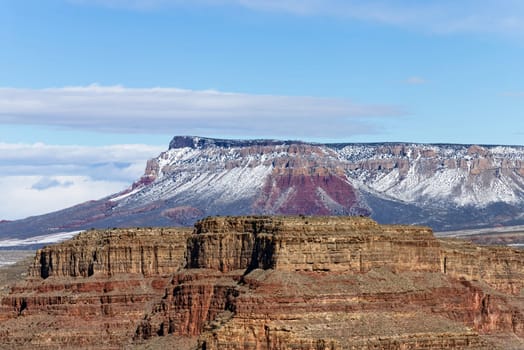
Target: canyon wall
{"x": 109, "y": 252}
{"x": 311, "y": 244}
{"x": 268, "y": 283}
{"x": 92, "y": 290}
{"x": 500, "y": 267}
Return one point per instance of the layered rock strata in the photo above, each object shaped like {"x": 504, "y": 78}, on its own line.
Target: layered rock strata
{"x": 148, "y": 252}
{"x": 268, "y": 283}
{"x": 500, "y": 267}
{"x": 91, "y": 291}
{"x": 311, "y": 244}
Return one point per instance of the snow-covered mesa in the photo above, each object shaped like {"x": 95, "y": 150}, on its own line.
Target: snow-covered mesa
{"x": 458, "y": 174}
{"x": 414, "y": 173}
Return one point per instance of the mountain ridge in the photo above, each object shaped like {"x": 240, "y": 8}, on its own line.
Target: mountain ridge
{"x": 445, "y": 186}
{"x": 179, "y": 140}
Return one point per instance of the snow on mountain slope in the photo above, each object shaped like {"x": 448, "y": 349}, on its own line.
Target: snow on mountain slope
{"x": 452, "y": 174}
{"x": 242, "y": 177}
{"x": 444, "y": 186}
{"x": 200, "y": 174}
{"x": 224, "y": 171}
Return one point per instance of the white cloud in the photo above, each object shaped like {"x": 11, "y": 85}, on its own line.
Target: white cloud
{"x": 110, "y": 163}
{"x": 20, "y": 198}
{"x": 47, "y": 182}
{"x": 39, "y": 178}
{"x": 176, "y": 111}
{"x": 444, "y": 16}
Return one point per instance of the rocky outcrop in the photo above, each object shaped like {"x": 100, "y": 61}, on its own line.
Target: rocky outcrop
{"x": 92, "y": 290}
{"x": 268, "y": 283}
{"x": 136, "y": 251}
{"x": 500, "y": 267}
{"x": 319, "y": 244}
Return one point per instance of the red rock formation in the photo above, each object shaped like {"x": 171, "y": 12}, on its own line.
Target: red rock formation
{"x": 91, "y": 291}
{"x": 321, "y": 244}
{"x": 138, "y": 251}
{"x": 182, "y": 214}
{"x": 500, "y": 267}
{"x": 315, "y": 191}
{"x": 301, "y": 289}
{"x": 268, "y": 283}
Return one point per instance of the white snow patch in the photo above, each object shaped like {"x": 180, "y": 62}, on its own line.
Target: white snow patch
{"x": 125, "y": 195}
{"x": 44, "y": 239}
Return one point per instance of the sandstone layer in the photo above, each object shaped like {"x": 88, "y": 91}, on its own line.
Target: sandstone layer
{"x": 92, "y": 290}
{"x": 268, "y": 283}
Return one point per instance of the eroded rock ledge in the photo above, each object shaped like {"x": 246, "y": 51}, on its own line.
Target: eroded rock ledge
{"x": 268, "y": 283}
{"x": 311, "y": 244}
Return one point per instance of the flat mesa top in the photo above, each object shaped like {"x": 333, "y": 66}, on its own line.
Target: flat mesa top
{"x": 302, "y": 224}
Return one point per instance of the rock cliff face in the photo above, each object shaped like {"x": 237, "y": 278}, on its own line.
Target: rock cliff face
{"x": 446, "y": 187}
{"x": 500, "y": 267}
{"x": 268, "y": 283}
{"x": 320, "y": 244}
{"x": 92, "y": 290}
{"x": 148, "y": 252}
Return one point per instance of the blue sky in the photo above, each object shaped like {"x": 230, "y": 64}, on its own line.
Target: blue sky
{"x": 79, "y": 77}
